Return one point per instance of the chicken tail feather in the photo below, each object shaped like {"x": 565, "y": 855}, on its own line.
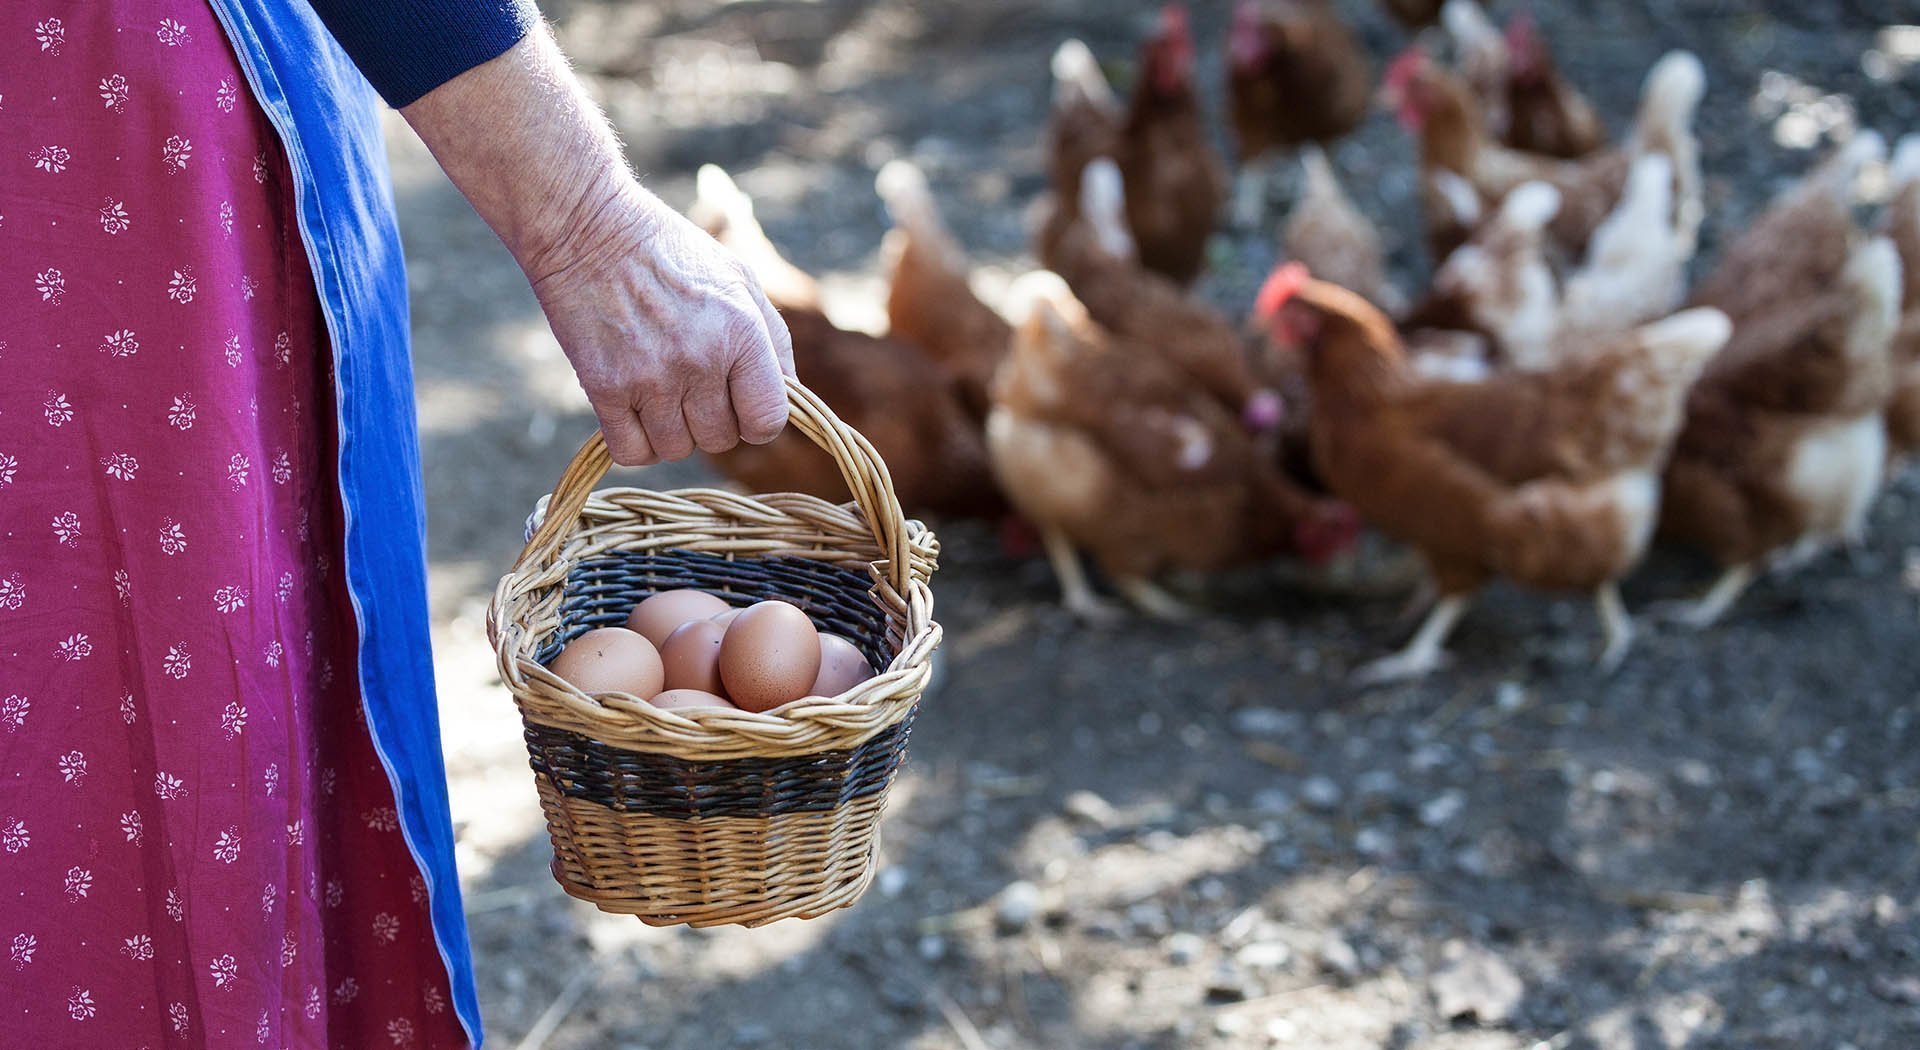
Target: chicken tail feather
{"x": 1077, "y": 76}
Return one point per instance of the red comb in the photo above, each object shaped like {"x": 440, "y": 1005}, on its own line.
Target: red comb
{"x": 1281, "y": 285}
{"x": 1520, "y": 33}
{"x": 1404, "y": 66}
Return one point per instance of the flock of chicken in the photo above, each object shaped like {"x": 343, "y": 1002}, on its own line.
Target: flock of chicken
{"x": 1556, "y": 399}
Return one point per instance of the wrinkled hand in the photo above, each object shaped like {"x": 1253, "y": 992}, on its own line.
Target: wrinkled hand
{"x": 671, "y": 336}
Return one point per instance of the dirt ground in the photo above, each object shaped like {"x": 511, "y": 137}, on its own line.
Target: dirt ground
{"x": 1159, "y": 837}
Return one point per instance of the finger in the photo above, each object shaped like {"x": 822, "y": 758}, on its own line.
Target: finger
{"x": 626, "y": 442}
{"x": 759, "y": 399}
{"x": 777, "y": 334}
{"x": 710, "y": 419}
{"x": 666, "y": 429}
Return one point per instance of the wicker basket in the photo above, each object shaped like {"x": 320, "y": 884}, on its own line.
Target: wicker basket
{"x": 712, "y": 817}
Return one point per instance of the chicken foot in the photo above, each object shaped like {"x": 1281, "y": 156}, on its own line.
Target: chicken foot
{"x": 1075, "y": 592}
{"x": 1708, "y": 610}
{"x": 1616, "y": 624}
{"x": 1149, "y": 598}
{"x": 1423, "y": 655}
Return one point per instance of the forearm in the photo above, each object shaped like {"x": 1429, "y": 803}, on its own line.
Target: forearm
{"x": 522, "y": 141}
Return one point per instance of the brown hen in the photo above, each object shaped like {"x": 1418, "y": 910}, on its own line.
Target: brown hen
{"x": 1108, "y": 448}
{"x": 1550, "y": 479}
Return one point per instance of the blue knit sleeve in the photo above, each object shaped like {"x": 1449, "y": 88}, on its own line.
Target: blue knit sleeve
{"x": 407, "y": 48}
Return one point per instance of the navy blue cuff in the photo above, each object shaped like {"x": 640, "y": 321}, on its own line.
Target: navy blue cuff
{"x": 406, "y": 48}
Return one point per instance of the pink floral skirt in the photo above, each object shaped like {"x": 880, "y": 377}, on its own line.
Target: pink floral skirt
{"x": 198, "y": 844}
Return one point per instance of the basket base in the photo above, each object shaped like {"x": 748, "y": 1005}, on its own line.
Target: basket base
{"x": 712, "y": 871}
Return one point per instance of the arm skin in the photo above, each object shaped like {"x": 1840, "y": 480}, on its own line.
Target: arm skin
{"x": 671, "y": 337}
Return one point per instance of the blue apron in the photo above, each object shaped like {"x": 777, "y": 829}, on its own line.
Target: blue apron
{"x": 327, "y": 118}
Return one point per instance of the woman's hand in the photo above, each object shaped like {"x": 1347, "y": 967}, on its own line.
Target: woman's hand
{"x": 672, "y": 339}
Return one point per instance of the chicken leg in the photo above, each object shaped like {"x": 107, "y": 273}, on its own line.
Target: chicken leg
{"x": 1706, "y": 612}
{"x": 1150, "y": 599}
{"x": 1250, "y": 184}
{"x": 1075, "y": 592}
{"x": 1617, "y": 625}
{"x": 1423, "y": 655}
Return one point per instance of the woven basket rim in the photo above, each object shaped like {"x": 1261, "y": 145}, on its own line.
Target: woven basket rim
{"x": 899, "y": 555}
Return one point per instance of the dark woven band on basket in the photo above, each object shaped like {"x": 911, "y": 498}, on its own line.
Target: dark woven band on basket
{"x": 663, "y": 786}
{"x": 601, "y": 591}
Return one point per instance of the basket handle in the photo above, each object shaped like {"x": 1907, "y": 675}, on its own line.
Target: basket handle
{"x": 860, "y": 466}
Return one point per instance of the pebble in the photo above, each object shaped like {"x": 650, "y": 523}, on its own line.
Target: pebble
{"x": 1376, "y": 783}
{"x": 1477, "y": 985}
{"x": 1321, "y": 793}
{"x": 1373, "y": 841}
{"x": 1184, "y": 948}
{"x": 1443, "y": 808}
{"x": 1149, "y": 918}
{"x": 1266, "y": 722}
{"x": 891, "y": 881}
{"x": 1273, "y": 801}
{"x": 1018, "y": 906}
{"x": 1264, "y": 955}
{"x": 1091, "y": 808}
{"x": 1337, "y": 957}
{"x": 932, "y": 947}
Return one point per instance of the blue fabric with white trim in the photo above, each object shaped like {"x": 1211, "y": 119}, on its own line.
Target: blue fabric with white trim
{"x": 327, "y": 117}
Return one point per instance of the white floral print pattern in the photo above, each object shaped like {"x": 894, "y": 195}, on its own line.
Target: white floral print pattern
{"x": 175, "y": 154}
{"x": 182, "y": 287}
{"x": 183, "y": 413}
{"x": 59, "y": 410}
{"x": 168, "y": 786}
{"x": 173, "y": 538}
{"x": 73, "y": 767}
{"x": 80, "y": 1004}
{"x": 139, "y": 948}
{"x": 226, "y": 849}
{"x": 233, "y": 720}
{"x": 13, "y": 593}
{"x": 66, "y": 528}
{"x": 120, "y": 343}
{"x": 51, "y": 284}
{"x": 120, "y": 466}
{"x": 14, "y": 837}
{"x": 113, "y": 91}
{"x": 114, "y": 218}
{"x": 79, "y": 881}
{"x": 13, "y": 712}
{"x": 51, "y": 34}
{"x": 52, "y": 159}
{"x": 172, "y": 33}
{"x": 23, "y": 948}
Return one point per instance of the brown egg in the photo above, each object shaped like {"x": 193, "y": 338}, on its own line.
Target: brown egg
{"x": 663, "y": 613}
{"x": 691, "y": 657}
{"x": 610, "y": 660}
{"x": 770, "y": 655}
{"x": 685, "y": 698}
{"x": 726, "y": 619}
{"x": 841, "y": 666}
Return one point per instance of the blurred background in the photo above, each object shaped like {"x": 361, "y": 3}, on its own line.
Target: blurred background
{"x": 1156, "y": 835}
